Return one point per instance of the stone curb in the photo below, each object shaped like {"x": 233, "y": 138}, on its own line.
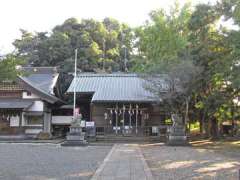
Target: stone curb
{"x": 31, "y": 141}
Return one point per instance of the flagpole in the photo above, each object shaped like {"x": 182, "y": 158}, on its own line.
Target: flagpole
{"x": 74, "y": 91}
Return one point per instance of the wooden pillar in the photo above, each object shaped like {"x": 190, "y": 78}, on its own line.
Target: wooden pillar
{"x": 47, "y": 118}
{"x": 47, "y": 122}
{"x": 91, "y": 111}
{"x": 123, "y": 117}
{"x": 130, "y": 116}
{"x": 20, "y": 120}
{"x": 136, "y": 119}
{"x": 142, "y": 119}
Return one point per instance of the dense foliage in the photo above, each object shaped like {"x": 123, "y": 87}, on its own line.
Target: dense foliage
{"x": 186, "y": 35}
{"x": 9, "y": 67}
{"x": 102, "y": 46}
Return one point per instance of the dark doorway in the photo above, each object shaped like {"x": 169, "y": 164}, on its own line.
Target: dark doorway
{"x": 83, "y": 102}
{"x": 85, "y": 110}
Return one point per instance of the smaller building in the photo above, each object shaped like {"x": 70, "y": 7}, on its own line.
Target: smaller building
{"x": 26, "y": 105}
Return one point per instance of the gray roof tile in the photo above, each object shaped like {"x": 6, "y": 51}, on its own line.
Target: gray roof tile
{"x": 15, "y": 103}
{"x": 42, "y": 79}
{"x": 113, "y": 87}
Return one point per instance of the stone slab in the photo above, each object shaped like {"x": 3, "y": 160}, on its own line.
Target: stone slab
{"x": 124, "y": 161}
{"x": 177, "y": 138}
{"x": 75, "y": 143}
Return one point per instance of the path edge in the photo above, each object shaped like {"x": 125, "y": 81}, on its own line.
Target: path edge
{"x": 101, "y": 167}
{"x": 147, "y": 170}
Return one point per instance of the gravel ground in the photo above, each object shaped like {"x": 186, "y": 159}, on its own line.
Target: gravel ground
{"x": 184, "y": 163}
{"x": 48, "y": 161}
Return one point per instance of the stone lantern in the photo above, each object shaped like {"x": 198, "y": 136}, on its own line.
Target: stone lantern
{"x": 177, "y": 133}
{"x": 76, "y": 136}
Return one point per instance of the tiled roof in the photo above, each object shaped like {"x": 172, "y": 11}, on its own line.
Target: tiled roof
{"x": 42, "y": 80}
{"x": 15, "y": 103}
{"x": 10, "y": 87}
{"x": 45, "y": 82}
{"x": 114, "y": 87}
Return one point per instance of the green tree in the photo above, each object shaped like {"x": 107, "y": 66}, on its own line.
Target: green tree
{"x": 164, "y": 38}
{"x": 211, "y": 49}
{"x": 168, "y": 40}
{"x": 231, "y": 11}
{"x": 180, "y": 78}
{"x": 100, "y": 45}
{"x": 8, "y": 67}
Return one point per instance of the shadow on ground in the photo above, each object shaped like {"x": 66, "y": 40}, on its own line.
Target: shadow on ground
{"x": 196, "y": 162}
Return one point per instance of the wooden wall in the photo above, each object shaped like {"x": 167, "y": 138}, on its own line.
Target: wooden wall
{"x": 97, "y": 113}
{"x": 156, "y": 114}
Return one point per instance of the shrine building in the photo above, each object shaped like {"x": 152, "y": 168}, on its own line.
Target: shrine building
{"x": 120, "y": 103}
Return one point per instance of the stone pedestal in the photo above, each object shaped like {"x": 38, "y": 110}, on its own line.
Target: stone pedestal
{"x": 75, "y": 137}
{"x": 177, "y": 133}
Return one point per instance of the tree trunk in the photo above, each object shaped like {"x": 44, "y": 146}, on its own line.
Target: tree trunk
{"x": 186, "y": 117}
{"x": 206, "y": 125}
{"x": 201, "y": 123}
{"x": 233, "y": 121}
{"x": 214, "y": 128}
{"x": 206, "y": 128}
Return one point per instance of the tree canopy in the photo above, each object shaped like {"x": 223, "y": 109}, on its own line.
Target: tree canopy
{"x": 9, "y": 67}
{"x": 103, "y": 45}
{"x": 183, "y": 35}
{"x": 163, "y": 38}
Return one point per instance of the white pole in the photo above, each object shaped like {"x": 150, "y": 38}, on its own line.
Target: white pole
{"x": 123, "y": 117}
{"x": 74, "y": 91}
{"x": 136, "y": 119}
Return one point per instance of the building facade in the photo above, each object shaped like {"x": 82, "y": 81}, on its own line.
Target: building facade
{"x": 120, "y": 104}
{"x": 26, "y": 105}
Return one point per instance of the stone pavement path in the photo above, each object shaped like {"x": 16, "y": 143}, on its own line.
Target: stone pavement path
{"x": 124, "y": 162}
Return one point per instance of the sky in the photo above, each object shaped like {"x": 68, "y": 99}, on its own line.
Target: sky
{"x": 43, "y": 15}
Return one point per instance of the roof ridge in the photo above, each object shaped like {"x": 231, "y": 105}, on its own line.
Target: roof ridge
{"x": 107, "y": 75}
{"x": 139, "y": 75}
{"x": 40, "y": 69}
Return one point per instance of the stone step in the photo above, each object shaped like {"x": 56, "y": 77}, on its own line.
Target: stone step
{"x": 128, "y": 139}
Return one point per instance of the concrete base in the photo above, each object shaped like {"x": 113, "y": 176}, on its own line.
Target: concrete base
{"x": 75, "y": 139}
{"x": 177, "y": 141}
{"x": 75, "y": 143}
{"x": 177, "y": 138}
